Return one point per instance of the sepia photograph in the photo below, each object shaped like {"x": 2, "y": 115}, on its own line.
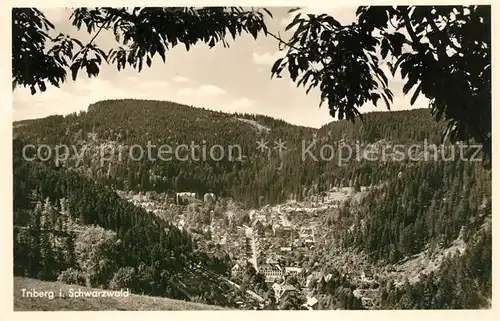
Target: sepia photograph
{"x": 328, "y": 157}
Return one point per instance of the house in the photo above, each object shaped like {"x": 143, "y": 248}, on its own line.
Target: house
{"x": 236, "y": 269}
{"x": 258, "y": 227}
{"x": 281, "y": 289}
{"x": 261, "y": 217}
{"x": 273, "y": 260}
{"x": 286, "y": 249}
{"x": 272, "y": 272}
{"x": 209, "y": 197}
{"x": 240, "y": 266}
{"x": 315, "y": 275}
{"x": 289, "y": 270}
{"x": 366, "y": 275}
{"x": 310, "y": 303}
{"x": 367, "y": 302}
{"x": 306, "y": 233}
{"x": 279, "y": 229}
{"x": 185, "y": 197}
{"x": 309, "y": 242}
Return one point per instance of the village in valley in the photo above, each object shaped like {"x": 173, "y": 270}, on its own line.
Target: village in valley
{"x": 281, "y": 243}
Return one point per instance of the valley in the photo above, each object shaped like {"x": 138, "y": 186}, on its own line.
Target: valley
{"x": 271, "y": 232}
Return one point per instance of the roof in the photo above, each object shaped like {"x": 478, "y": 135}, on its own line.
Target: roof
{"x": 293, "y": 268}
{"x": 269, "y": 267}
{"x": 186, "y": 194}
{"x": 256, "y": 222}
{"x": 316, "y": 274}
{"x": 311, "y": 301}
{"x": 368, "y": 272}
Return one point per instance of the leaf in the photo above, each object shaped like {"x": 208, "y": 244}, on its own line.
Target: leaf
{"x": 276, "y": 64}
{"x": 140, "y": 64}
{"x": 161, "y": 51}
{"x": 148, "y": 61}
{"x": 326, "y": 35}
{"x": 415, "y": 94}
{"x": 48, "y": 24}
{"x": 375, "y": 97}
{"x": 412, "y": 81}
{"x": 389, "y": 94}
{"x": 333, "y": 22}
{"x": 78, "y": 42}
{"x": 74, "y": 70}
{"x": 384, "y": 47}
{"x": 396, "y": 41}
{"x": 268, "y": 12}
{"x": 402, "y": 58}
{"x": 102, "y": 53}
{"x": 386, "y": 102}
{"x": 439, "y": 114}
{"x": 232, "y": 31}
{"x": 294, "y": 9}
{"x": 254, "y": 32}
{"x": 295, "y": 20}
{"x": 380, "y": 74}
{"x": 303, "y": 63}
{"x": 305, "y": 78}
{"x": 292, "y": 68}
{"x": 360, "y": 10}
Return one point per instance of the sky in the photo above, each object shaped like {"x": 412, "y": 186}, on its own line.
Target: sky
{"x": 235, "y": 79}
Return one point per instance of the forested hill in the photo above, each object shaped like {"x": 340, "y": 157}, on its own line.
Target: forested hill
{"x": 137, "y": 121}
{"x": 77, "y": 231}
{"x": 404, "y": 126}
{"x": 246, "y": 173}
{"x": 426, "y": 201}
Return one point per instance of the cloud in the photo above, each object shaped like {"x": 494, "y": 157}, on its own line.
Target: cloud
{"x": 77, "y": 96}
{"x": 345, "y": 14}
{"x": 205, "y": 90}
{"x": 181, "y": 79}
{"x": 266, "y": 58}
{"x": 57, "y": 15}
{"x": 153, "y": 85}
{"x": 211, "y": 90}
{"x": 242, "y": 104}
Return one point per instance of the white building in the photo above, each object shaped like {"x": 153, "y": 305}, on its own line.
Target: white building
{"x": 209, "y": 197}
{"x": 272, "y": 272}
{"x": 281, "y": 289}
{"x": 290, "y": 270}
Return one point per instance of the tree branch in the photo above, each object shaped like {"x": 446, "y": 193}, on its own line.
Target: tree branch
{"x": 410, "y": 30}
{"x": 292, "y": 47}
{"x": 441, "y": 49}
{"x": 100, "y": 29}
{"x": 282, "y": 41}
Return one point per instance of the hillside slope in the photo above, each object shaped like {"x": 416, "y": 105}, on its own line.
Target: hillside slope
{"x": 106, "y": 134}
{"x": 131, "y": 302}
{"x": 415, "y": 210}
{"x": 111, "y": 125}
